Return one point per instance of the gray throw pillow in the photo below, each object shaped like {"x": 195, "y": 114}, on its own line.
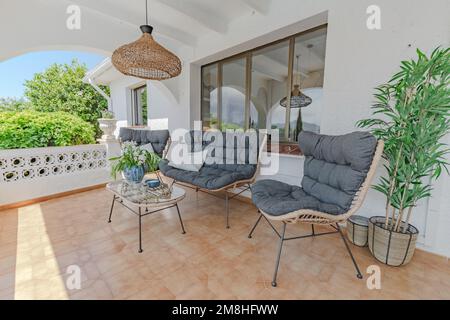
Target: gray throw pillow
{"x": 147, "y": 147}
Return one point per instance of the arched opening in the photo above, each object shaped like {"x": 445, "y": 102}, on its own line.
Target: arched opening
{"x": 39, "y": 82}
{"x": 21, "y": 66}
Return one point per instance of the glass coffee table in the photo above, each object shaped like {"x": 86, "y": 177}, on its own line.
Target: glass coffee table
{"x": 143, "y": 201}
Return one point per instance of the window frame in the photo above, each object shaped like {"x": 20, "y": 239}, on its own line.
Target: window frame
{"x": 248, "y": 55}
{"x": 134, "y": 105}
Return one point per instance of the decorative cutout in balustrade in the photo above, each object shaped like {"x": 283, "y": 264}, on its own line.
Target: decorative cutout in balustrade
{"x": 43, "y": 162}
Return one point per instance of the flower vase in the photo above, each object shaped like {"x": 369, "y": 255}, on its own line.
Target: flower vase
{"x": 134, "y": 174}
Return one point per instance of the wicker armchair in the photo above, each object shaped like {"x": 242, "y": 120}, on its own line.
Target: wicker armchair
{"x": 316, "y": 217}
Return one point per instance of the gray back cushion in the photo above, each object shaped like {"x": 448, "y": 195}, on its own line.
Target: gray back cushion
{"x": 158, "y": 138}
{"x": 336, "y": 166}
{"x": 126, "y": 134}
{"x": 238, "y": 148}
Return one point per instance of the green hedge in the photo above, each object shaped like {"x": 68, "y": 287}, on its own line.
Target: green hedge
{"x": 32, "y": 129}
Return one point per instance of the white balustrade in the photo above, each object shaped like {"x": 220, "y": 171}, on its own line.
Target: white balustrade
{"x": 29, "y": 173}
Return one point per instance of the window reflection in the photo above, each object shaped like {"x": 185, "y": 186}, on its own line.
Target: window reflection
{"x": 209, "y": 96}
{"x": 269, "y": 85}
{"x": 233, "y": 94}
{"x": 308, "y": 74}
{"x": 251, "y": 90}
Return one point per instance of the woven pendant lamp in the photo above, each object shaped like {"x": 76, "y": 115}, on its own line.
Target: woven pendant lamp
{"x": 298, "y": 99}
{"x": 145, "y": 58}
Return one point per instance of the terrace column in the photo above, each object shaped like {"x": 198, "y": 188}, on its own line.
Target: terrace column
{"x": 109, "y": 140}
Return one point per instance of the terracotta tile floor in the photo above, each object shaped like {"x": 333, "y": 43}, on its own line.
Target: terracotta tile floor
{"x": 39, "y": 242}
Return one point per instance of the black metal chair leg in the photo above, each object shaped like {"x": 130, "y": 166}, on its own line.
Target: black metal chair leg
{"x": 181, "y": 221}
{"x": 277, "y": 264}
{"x": 227, "y": 209}
{"x": 313, "y": 231}
{"x": 358, "y": 272}
{"x": 112, "y": 207}
{"x": 254, "y": 227}
{"x": 140, "y": 231}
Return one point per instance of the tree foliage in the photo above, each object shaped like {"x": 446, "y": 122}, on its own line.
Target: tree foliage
{"x": 32, "y": 129}
{"x": 61, "y": 88}
{"x": 411, "y": 115}
{"x": 13, "y": 104}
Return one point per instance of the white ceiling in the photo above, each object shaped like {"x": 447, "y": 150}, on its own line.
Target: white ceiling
{"x": 181, "y": 20}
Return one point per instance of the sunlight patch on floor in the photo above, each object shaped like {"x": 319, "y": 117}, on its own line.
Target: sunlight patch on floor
{"x": 35, "y": 258}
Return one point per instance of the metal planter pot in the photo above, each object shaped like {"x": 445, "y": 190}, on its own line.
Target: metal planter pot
{"x": 390, "y": 247}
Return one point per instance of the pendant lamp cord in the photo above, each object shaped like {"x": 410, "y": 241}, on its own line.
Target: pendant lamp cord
{"x": 146, "y": 12}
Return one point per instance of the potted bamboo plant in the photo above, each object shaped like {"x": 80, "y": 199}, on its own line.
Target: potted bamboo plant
{"x": 411, "y": 115}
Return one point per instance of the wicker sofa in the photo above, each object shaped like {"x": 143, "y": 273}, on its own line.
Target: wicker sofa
{"x": 228, "y": 170}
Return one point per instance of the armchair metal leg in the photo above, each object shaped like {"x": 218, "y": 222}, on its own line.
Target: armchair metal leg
{"x": 227, "y": 208}
{"x": 358, "y": 272}
{"x": 254, "y": 227}
{"x": 274, "y": 280}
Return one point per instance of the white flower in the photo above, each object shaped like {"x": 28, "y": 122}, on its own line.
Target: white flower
{"x": 128, "y": 145}
{"x": 136, "y": 152}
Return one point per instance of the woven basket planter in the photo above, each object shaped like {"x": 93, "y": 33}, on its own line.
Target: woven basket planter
{"x": 390, "y": 247}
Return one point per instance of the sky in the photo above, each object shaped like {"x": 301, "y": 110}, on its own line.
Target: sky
{"x": 14, "y": 72}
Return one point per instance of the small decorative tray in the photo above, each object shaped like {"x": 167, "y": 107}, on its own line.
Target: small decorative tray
{"x": 161, "y": 191}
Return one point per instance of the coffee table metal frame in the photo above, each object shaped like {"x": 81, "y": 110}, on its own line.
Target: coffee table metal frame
{"x": 160, "y": 205}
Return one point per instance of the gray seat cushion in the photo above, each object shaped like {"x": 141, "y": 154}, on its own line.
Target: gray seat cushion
{"x": 211, "y": 177}
{"x": 334, "y": 170}
{"x": 158, "y": 138}
{"x": 277, "y": 198}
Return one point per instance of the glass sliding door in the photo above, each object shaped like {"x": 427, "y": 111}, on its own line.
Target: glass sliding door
{"x": 308, "y": 75}
{"x": 275, "y": 86}
{"x": 270, "y": 73}
{"x": 233, "y": 94}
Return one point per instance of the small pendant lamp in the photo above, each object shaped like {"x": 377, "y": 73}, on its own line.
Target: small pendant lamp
{"x": 145, "y": 58}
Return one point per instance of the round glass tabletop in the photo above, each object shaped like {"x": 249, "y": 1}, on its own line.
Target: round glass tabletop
{"x": 140, "y": 194}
